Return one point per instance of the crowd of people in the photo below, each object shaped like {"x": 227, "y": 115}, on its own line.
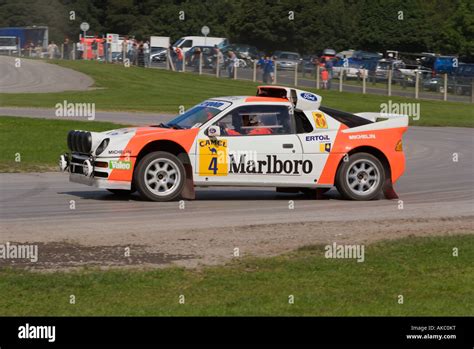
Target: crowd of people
{"x": 138, "y": 53}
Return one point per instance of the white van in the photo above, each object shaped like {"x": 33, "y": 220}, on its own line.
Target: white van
{"x": 186, "y": 42}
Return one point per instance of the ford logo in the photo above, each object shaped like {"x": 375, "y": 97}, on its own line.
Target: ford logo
{"x": 309, "y": 96}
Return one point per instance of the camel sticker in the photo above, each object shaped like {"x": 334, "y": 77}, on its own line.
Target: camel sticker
{"x": 213, "y": 154}
{"x": 319, "y": 120}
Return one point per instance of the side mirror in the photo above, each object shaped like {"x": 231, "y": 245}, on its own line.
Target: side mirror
{"x": 214, "y": 131}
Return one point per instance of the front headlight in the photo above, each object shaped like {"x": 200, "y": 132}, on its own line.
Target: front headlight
{"x": 102, "y": 146}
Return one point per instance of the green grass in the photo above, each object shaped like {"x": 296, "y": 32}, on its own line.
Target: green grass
{"x": 423, "y": 270}
{"x": 156, "y": 90}
{"x": 38, "y": 141}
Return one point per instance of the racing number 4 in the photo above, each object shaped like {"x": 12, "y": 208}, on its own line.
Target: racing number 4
{"x": 213, "y": 165}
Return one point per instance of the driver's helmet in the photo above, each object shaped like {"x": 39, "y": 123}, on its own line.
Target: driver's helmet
{"x": 253, "y": 120}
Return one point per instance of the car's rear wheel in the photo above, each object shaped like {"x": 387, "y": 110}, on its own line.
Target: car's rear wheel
{"x": 361, "y": 177}
{"x": 160, "y": 176}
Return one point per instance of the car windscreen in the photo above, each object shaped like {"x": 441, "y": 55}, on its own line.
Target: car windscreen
{"x": 289, "y": 56}
{"x": 177, "y": 43}
{"x": 199, "y": 114}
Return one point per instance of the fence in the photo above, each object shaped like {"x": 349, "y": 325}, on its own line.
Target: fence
{"x": 385, "y": 82}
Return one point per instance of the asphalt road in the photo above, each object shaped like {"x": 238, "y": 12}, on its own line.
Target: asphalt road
{"x": 125, "y": 118}
{"x": 434, "y": 191}
{"x": 27, "y": 75}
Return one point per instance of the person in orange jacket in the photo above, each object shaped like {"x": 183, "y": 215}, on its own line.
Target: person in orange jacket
{"x": 324, "y": 78}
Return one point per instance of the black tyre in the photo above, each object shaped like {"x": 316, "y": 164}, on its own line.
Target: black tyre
{"x": 361, "y": 177}
{"x": 160, "y": 176}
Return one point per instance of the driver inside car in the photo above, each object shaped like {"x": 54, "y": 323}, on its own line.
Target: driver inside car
{"x": 258, "y": 127}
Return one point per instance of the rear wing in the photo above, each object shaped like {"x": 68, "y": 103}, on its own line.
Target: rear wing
{"x": 300, "y": 99}
{"x": 388, "y": 120}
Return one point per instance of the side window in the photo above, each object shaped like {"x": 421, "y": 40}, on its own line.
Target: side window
{"x": 302, "y": 123}
{"x": 256, "y": 120}
{"x": 187, "y": 43}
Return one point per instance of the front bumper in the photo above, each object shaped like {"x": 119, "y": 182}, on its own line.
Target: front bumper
{"x": 96, "y": 176}
{"x": 98, "y": 182}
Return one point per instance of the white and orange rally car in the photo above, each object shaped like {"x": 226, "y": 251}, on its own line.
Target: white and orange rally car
{"x": 282, "y": 138}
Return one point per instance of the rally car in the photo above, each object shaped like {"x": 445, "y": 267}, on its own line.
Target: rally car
{"x": 282, "y": 138}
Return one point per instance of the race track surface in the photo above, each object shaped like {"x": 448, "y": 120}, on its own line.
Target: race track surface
{"x": 39, "y": 77}
{"x": 436, "y": 193}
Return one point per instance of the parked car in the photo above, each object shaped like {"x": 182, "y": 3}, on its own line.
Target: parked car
{"x": 384, "y": 65}
{"x": 435, "y": 84}
{"x": 207, "y": 56}
{"x": 286, "y": 60}
{"x": 308, "y": 65}
{"x": 463, "y": 78}
{"x": 158, "y": 54}
{"x": 365, "y": 55}
{"x": 328, "y": 53}
{"x": 242, "y": 51}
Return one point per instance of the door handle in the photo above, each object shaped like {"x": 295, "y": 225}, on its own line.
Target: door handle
{"x": 287, "y": 146}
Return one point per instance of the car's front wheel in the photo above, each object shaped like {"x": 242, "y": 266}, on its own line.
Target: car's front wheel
{"x": 160, "y": 176}
{"x": 361, "y": 177}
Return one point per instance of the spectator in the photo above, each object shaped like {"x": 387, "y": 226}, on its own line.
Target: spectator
{"x": 329, "y": 65}
{"x": 134, "y": 54}
{"x": 52, "y": 49}
{"x": 173, "y": 57}
{"x": 146, "y": 51}
{"x": 232, "y": 63}
{"x": 66, "y": 48}
{"x": 129, "y": 49}
{"x": 179, "y": 58}
{"x": 219, "y": 57}
{"x": 140, "y": 55}
{"x": 196, "y": 58}
{"x": 268, "y": 70}
{"x": 324, "y": 78}
{"x": 94, "y": 48}
{"x": 79, "y": 49}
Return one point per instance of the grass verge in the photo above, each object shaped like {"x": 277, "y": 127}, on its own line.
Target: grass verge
{"x": 37, "y": 143}
{"x": 157, "y": 90}
{"x": 423, "y": 270}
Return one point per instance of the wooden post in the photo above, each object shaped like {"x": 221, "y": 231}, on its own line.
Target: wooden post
{"x": 200, "y": 63}
{"x": 364, "y": 80}
{"x": 318, "y": 68}
{"x": 389, "y": 87}
{"x": 275, "y": 72}
{"x": 296, "y": 74}
{"x": 445, "y": 92}
{"x": 236, "y": 65}
{"x": 254, "y": 70}
{"x": 417, "y": 84}
{"x": 341, "y": 76}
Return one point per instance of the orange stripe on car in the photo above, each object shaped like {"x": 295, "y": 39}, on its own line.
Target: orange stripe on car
{"x": 385, "y": 140}
{"x": 145, "y": 135}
